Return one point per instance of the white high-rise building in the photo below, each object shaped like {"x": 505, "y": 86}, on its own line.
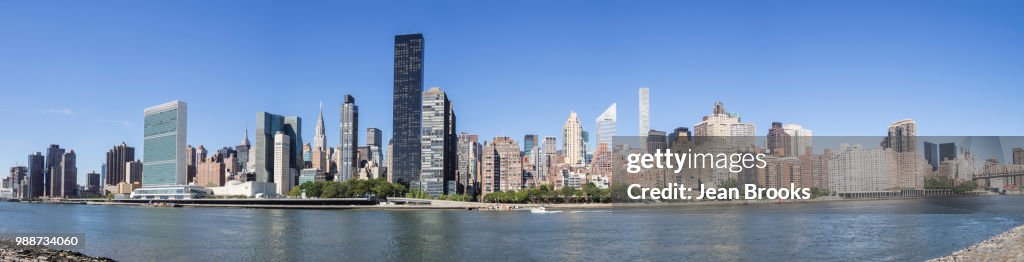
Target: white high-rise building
{"x": 645, "y": 112}
{"x": 439, "y": 144}
{"x": 852, "y": 169}
{"x": 606, "y": 126}
{"x": 572, "y": 140}
{"x": 283, "y": 178}
{"x": 722, "y": 124}
{"x": 800, "y": 138}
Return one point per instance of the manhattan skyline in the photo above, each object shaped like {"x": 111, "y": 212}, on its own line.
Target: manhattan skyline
{"x": 81, "y": 81}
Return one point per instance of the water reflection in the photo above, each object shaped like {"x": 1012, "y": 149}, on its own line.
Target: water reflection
{"x": 889, "y": 230}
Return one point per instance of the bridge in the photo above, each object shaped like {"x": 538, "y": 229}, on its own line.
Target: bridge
{"x": 997, "y": 175}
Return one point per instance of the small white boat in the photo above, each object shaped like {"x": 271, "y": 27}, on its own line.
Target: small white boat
{"x": 541, "y": 210}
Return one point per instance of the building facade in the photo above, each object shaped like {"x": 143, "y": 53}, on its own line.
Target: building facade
{"x": 36, "y": 179}
{"x": 114, "y": 168}
{"x": 408, "y": 91}
{"x": 439, "y": 144}
{"x": 283, "y": 171}
{"x": 267, "y": 127}
{"x": 606, "y": 126}
{"x": 572, "y": 140}
{"x": 349, "y": 141}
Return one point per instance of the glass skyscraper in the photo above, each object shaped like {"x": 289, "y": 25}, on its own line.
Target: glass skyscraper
{"x": 439, "y": 144}
{"x": 349, "y": 140}
{"x": 408, "y": 91}
{"x": 606, "y": 126}
{"x": 529, "y": 141}
{"x": 164, "y": 144}
{"x": 267, "y": 125}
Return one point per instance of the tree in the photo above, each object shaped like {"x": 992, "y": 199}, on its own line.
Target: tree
{"x": 296, "y": 191}
{"x": 966, "y": 186}
{"x": 618, "y": 193}
{"x": 938, "y": 183}
{"x": 331, "y": 190}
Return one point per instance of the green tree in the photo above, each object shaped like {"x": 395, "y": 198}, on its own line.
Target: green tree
{"x": 966, "y": 186}
{"x": 331, "y": 189}
{"x": 296, "y": 191}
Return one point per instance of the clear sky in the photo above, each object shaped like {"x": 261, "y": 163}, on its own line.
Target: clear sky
{"x": 80, "y": 73}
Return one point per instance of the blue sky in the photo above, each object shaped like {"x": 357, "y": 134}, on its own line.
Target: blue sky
{"x": 80, "y": 73}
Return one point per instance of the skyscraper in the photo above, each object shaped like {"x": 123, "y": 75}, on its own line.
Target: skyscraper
{"x": 902, "y": 136}
{"x": 92, "y": 182}
{"x": 723, "y": 124}
{"x": 267, "y": 126}
{"x": 190, "y": 164}
{"x": 373, "y": 141}
{"x": 116, "y": 158}
{"x": 17, "y": 181}
{"x": 645, "y": 111}
{"x": 36, "y": 167}
{"x": 69, "y": 171}
{"x": 947, "y": 151}
{"x": 529, "y": 141}
{"x": 606, "y": 126}
{"x": 283, "y": 171}
{"x": 778, "y": 141}
{"x": 408, "y": 91}
{"x": 550, "y": 145}
{"x": 656, "y": 140}
{"x": 349, "y": 141}
{"x": 800, "y": 138}
{"x": 164, "y": 141}
{"x": 572, "y": 140}
{"x": 468, "y": 173}
{"x": 319, "y": 132}
{"x": 439, "y": 142}
{"x": 318, "y": 154}
{"x": 52, "y": 174}
{"x": 679, "y": 137}
{"x": 132, "y": 172}
{"x": 242, "y": 150}
{"x": 374, "y": 137}
{"x": 931, "y": 154}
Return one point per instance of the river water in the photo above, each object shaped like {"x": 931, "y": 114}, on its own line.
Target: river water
{"x": 899, "y": 230}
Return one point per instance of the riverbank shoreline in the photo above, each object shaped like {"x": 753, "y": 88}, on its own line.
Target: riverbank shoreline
{"x": 423, "y": 204}
{"x": 11, "y": 251}
{"x": 1002, "y": 247}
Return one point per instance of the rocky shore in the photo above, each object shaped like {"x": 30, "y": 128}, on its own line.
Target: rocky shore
{"x": 10, "y": 251}
{"x": 1002, "y": 247}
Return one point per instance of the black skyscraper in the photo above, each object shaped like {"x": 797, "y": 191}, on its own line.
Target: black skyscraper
{"x": 931, "y": 153}
{"x": 35, "y": 175}
{"x": 407, "y": 108}
{"x": 947, "y": 151}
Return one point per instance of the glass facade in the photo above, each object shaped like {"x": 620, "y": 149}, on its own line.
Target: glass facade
{"x": 349, "y": 141}
{"x": 164, "y": 145}
{"x": 438, "y": 144}
{"x": 267, "y": 125}
{"x": 408, "y": 89}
